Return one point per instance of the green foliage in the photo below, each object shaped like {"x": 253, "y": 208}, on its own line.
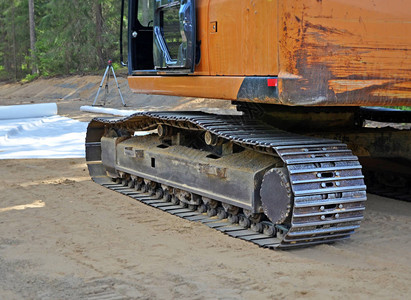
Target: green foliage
{"x": 402, "y": 107}
{"x": 3, "y": 73}
{"x": 29, "y": 77}
{"x": 68, "y": 37}
{"x": 15, "y": 42}
{"x": 117, "y": 66}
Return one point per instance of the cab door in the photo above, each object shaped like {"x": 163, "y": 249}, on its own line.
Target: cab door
{"x": 174, "y": 36}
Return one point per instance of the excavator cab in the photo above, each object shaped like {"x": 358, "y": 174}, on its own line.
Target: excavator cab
{"x": 162, "y": 36}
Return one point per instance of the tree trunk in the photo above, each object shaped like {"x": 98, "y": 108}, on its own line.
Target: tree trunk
{"x": 13, "y": 10}
{"x": 34, "y": 69}
{"x": 99, "y": 32}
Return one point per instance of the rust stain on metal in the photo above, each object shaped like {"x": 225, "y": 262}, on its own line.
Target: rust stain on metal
{"x": 348, "y": 85}
{"x": 347, "y": 53}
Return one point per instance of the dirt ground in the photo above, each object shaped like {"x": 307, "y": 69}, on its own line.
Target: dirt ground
{"x": 64, "y": 237}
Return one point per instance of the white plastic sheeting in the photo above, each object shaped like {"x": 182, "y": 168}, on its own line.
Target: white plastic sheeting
{"x": 28, "y": 111}
{"x": 46, "y": 137}
{"x": 110, "y": 111}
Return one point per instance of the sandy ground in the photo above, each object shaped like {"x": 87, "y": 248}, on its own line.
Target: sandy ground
{"x": 64, "y": 237}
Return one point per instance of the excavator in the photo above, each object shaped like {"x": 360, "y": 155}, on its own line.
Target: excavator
{"x": 316, "y": 84}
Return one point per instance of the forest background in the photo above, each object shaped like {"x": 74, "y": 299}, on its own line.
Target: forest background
{"x": 71, "y": 37}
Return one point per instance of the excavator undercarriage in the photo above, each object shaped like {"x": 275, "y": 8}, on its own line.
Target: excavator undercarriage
{"x": 288, "y": 172}
{"x": 234, "y": 173}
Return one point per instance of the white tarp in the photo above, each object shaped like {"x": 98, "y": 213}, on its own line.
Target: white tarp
{"x": 28, "y": 111}
{"x": 46, "y": 137}
{"x": 110, "y": 111}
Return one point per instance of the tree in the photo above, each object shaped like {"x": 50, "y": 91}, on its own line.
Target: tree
{"x": 34, "y": 69}
{"x": 99, "y": 31}
{"x": 55, "y": 37}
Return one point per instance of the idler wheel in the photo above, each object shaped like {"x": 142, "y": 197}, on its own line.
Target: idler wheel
{"x": 159, "y": 193}
{"x": 167, "y": 195}
{"x": 221, "y": 214}
{"x": 232, "y": 219}
{"x": 210, "y": 139}
{"x": 131, "y": 184}
{"x": 192, "y": 207}
{"x": 145, "y": 188}
{"x": 150, "y": 187}
{"x": 276, "y": 195}
{"x": 175, "y": 200}
{"x": 269, "y": 229}
{"x": 138, "y": 184}
{"x": 163, "y": 130}
{"x": 257, "y": 227}
{"x": 211, "y": 212}
{"x": 243, "y": 221}
{"x": 202, "y": 208}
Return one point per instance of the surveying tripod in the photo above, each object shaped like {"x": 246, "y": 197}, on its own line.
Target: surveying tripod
{"x": 107, "y": 74}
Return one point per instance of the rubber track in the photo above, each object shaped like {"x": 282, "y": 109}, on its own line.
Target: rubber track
{"x": 327, "y": 207}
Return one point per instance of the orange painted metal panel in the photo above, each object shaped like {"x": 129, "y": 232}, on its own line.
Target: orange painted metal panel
{"x": 245, "y": 41}
{"x": 202, "y": 37}
{"x": 189, "y": 86}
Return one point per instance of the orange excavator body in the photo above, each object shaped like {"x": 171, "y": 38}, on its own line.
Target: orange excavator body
{"x": 300, "y": 52}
